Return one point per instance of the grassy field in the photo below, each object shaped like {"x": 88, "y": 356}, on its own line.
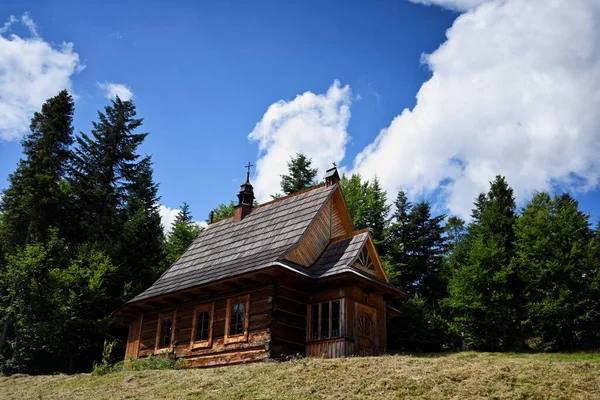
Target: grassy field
{"x": 452, "y": 376}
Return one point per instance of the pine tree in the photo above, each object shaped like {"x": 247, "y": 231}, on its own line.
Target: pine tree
{"x": 141, "y": 250}
{"x": 102, "y": 167}
{"x": 183, "y": 232}
{"x": 367, "y": 204}
{"x": 34, "y": 200}
{"x": 484, "y": 290}
{"x": 300, "y": 176}
{"x": 552, "y": 245}
{"x": 455, "y": 229}
{"x": 222, "y": 211}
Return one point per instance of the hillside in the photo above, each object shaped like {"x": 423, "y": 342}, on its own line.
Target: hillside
{"x": 458, "y": 376}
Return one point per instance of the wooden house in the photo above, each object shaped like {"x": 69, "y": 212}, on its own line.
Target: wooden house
{"x": 285, "y": 277}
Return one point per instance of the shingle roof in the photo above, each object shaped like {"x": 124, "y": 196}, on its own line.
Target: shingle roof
{"x": 226, "y": 248}
{"x": 338, "y": 255}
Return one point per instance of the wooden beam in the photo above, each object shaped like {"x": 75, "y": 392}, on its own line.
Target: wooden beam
{"x": 232, "y": 285}
{"x": 247, "y": 282}
{"x": 171, "y": 300}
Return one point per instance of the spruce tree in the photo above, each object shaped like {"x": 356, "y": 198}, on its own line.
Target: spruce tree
{"x": 222, "y": 211}
{"x": 103, "y": 164}
{"x": 300, "y": 175}
{"x": 34, "y": 200}
{"x": 367, "y": 204}
{"x": 552, "y": 244}
{"x": 141, "y": 250}
{"x": 484, "y": 290}
{"x": 183, "y": 232}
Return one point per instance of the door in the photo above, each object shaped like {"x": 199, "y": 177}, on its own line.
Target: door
{"x": 365, "y": 326}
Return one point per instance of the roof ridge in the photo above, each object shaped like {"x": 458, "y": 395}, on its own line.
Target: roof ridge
{"x": 290, "y": 195}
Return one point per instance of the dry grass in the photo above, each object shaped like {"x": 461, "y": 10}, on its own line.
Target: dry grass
{"x": 454, "y": 376}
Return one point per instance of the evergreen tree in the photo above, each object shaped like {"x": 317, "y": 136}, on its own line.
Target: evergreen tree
{"x": 141, "y": 250}
{"x": 367, "y": 204}
{"x": 484, "y": 290}
{"x": 183, "y": 232}
{"x": 103, "y": 165}
{"x": 222, "y": 211}
{"x": 552, "y": 244}
{"x": 455, "y": 230}
{"x": 300, "y": 176}
{"x": 34, "y": 199}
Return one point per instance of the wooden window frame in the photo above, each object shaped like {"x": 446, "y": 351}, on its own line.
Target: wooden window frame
{"x": 161, "y": 316}
{"x": 199, "y": 344}
{"x": 342, "y": 320}
{"x": 240, "y": 337}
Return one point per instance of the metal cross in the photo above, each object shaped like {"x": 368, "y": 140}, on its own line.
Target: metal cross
{"x": 334, "y": 165}
{"x": 248, "y": 173}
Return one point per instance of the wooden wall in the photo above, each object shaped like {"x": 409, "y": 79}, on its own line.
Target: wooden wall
{"x": 289, "y": 322}
{"x": 255, "y": 348}
{"x": 328, "y": 224}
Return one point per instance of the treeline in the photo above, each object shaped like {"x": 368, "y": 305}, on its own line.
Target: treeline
{"x": 80, "y": 233}
{"x": 511, "y": 279}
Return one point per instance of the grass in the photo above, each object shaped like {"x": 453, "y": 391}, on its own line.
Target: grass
{"x": 452, "y": 376}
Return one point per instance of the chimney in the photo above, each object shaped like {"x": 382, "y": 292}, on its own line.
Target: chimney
{"x": 332, "y": 176}
{"x": 245, "y": 198}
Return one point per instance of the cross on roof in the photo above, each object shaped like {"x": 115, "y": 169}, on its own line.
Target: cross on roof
{"x": 334, "y": 165}
{"x": 248, "y": 173}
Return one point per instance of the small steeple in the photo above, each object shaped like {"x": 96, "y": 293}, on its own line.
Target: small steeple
{"x": 245, "y": 198}
{"x": 332, "y": 176}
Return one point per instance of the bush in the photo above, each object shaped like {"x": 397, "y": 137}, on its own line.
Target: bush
{"x": 164, "y": 360}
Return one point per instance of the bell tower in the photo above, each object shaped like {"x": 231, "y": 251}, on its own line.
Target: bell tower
{"x": 245, "y": 198}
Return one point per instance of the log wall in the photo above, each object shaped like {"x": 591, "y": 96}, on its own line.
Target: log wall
{"x": 289, "y": 322}
{"x": 256, "y": 347}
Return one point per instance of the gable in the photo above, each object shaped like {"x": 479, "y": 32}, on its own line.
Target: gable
{"x": 332, "y": 221}
{"x": 368, "y": 260}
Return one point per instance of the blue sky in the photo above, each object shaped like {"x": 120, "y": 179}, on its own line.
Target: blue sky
{"x": 204, "y": 74}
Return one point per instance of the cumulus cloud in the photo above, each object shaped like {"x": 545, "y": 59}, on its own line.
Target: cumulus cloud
{"x": 515, "y": 90}
{"x": 311, "y": 123}
{"x": 168, "y": 215}
{"x": 31, "y": 71}
{"x": 113, "y": 90}
{"x": 458, "y": 5}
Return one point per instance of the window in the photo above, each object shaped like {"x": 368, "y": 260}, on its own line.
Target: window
{"x": 236, "y": 322}
{"x": 165, "y": 330}
{"x": 236, "y": 319}
{"x": 364, "y": 260}
{"x": 203, "y": 318}
{"x": 202, "y": 326}
{"x": 325, "y": 320}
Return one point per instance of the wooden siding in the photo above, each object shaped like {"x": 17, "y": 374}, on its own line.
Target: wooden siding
{"x": 133, "y": 339}
{"x": 330, "y": 348}
{"x": 289, "y": 322}
{"x": 255, "y": 347}
{"x": 328, "y": 224}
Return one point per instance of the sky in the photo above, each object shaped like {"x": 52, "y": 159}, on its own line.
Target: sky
{"x": 435, "y": 97}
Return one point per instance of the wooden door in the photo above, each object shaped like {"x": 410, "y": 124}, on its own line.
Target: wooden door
{"x": 365, "y": 326}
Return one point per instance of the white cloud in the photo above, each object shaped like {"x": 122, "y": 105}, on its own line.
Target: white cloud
{"x": 168, "y": 215}
{"x": 515, "y": 90}
{"x": 459, "y": 5}
{"x": 29, "y": 24}
{"x": 116, "y": 89}
{"x": 311, "y": 123}
{"x": 31, "y": 71}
